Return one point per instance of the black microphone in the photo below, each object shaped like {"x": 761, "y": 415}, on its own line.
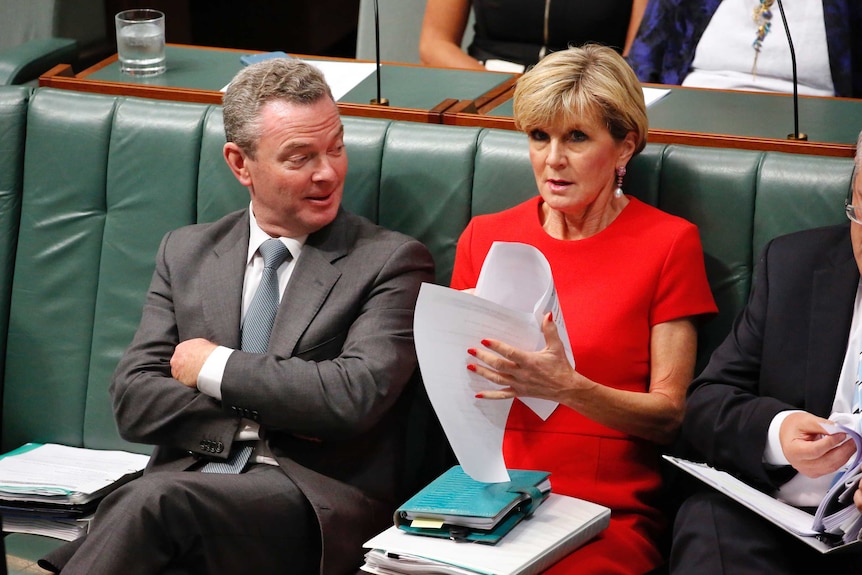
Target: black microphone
{"x": 379, "y": 101}
{"x": 796, "y": 135}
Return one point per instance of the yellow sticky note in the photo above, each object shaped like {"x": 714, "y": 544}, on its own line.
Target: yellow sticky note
{"x": 426, "y": 523}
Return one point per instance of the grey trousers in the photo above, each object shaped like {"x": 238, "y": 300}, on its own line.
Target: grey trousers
{"x": 198, "y": 523}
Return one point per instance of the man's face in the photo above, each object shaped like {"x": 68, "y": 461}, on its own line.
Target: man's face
{"x": 296, "y": 178}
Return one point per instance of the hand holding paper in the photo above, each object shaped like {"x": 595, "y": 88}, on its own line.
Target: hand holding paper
{"x": 525, "y": 373}
{"x": 811, "y": 451}
{"x": 515, "y": 292}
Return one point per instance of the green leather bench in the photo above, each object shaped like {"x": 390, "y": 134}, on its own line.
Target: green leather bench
{"x": 23, "y": 64}
{"x": 90, "y": 183}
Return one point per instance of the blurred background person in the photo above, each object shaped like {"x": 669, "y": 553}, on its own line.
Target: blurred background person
{"x": 742, "y": 45}
{"x": 631, "y": 285}
{"x": 513, "y": 34}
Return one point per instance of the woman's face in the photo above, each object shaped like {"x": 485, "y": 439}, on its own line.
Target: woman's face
{"x": 575, "y": 162}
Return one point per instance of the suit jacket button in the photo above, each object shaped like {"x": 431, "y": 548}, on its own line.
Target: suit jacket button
{"x": 219, "y": 447}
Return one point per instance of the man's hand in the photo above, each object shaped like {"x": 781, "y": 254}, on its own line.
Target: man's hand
{"x": 809, "y": 449}
{"x": 188, "y": 359}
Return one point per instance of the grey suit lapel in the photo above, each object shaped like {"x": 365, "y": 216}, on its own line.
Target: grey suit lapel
{"x": 310, "y": 284}
{"x": 223, "y": 275}
{"x": 833, "y": 293}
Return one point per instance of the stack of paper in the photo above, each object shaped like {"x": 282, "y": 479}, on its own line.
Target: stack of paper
{"x": 558, "y": 527}
{"x": 53, "y": 489}
{"x": 67, "y": 529}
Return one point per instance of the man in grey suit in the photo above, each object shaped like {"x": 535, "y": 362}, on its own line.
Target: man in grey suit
{"x": 319, "y": 405}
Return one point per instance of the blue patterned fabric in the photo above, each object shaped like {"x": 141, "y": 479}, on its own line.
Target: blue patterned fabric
{"x": 671, "y": 29}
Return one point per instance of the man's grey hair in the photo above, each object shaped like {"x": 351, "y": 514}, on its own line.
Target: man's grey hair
{"x": 287, "y": 79}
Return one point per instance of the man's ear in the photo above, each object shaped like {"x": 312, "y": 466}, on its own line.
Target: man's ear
{"x": 237, "y": 162}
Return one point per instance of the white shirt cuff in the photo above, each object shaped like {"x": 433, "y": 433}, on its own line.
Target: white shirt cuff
{"x": 773, "y": 454}
{"x": 212, "y": 372}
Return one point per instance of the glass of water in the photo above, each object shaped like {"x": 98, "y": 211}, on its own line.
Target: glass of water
{"x": 141, "y": 42}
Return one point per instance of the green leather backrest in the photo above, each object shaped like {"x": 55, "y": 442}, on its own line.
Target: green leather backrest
{"x": 426, "y": 185}
{"x": 103, "y": 179}
{"x": 13, "y": 117}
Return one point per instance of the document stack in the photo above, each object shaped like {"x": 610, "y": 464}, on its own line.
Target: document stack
{"x": 558, "y": 527}
{"x": 456, "y": 506}
{"x": 53, "y": 490}
{"x": 836, "y": 525}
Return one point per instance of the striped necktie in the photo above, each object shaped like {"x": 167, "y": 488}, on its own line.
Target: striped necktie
{"x": 256, "y": 329}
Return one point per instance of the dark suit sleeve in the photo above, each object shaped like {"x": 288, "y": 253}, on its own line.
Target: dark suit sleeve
{"x": 727, "y": 416}
{"x": 355, "y": 357}
{"x": 149, "y": 405}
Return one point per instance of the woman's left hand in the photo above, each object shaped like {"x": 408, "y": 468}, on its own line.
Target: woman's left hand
{"x": 546, "y": 374}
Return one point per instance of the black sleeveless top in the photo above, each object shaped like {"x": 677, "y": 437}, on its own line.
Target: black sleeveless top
{"x": 513, "y": 30}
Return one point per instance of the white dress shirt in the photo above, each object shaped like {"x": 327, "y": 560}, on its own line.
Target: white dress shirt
{"x": 210, "y": 376}
{"x": 804, "y": 491}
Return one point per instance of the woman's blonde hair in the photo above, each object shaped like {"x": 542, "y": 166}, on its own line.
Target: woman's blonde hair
{"x": 590, "y": 81}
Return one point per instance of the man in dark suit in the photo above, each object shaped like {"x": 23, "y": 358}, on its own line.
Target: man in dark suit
{"x": 318, "y": 406}
{"x": 789, "y": 364}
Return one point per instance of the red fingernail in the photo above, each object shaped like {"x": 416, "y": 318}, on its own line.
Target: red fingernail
{"x": 471, "y": 351}
{"x": 480, "y": 396}
{"x": 471, "y": 367}
{"x": 485, "y": 342}
{"x": 550, "y": 316}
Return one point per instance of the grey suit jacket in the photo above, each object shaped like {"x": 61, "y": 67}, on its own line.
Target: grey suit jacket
{"x": 341, "y": 352}
{"x": 785, "y": 352}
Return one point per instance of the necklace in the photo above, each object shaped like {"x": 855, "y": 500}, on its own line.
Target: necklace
{"x": 763, "y": 19}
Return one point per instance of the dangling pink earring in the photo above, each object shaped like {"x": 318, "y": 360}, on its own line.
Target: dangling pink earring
{"x": 621, "y": 172}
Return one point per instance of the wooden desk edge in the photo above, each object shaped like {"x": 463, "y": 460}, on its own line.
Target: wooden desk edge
{"x": 455, "y": 117}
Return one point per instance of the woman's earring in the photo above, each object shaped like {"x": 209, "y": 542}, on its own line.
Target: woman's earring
{"x": 621, "y": 172}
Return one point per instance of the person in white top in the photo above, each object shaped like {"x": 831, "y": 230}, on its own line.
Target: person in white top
{"x": 743, "y": 45}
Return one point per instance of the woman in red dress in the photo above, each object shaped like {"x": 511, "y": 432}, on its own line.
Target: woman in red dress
{"x": 631, "y": 284}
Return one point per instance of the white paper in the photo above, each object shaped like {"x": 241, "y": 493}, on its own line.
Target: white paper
{"x": 51, "y": 470}
{"x": 447, "y": 322}
{"x": 555, "y": 521}
{"x": 341, "y": 76}
{"x": 653, "y": 95}
{"x": 64, "y": 529}
{"x": 518, "y": 276}
{"x": 793, "y": 520}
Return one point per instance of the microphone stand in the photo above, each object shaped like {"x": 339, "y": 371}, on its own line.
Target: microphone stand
{"x": 796, "y": 135}
{"x": 378, "y": 101}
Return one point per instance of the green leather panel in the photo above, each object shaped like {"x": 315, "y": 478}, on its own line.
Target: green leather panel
{"x": 426, "y": 183}
{"x": 796, "y": 192}
{"x": 13, "y": 119}
{"x": 57, "y": 267}
{"x": 643, "y": 174}
{"x": 219, "y": 192}
{"x": 23, "y": 549}
{"x": 364, "y": 139}
{"x": 151, "y": 188}
{"x": 714, "y": 189}
{"x": 503, "y": 176}
{"x": 31, "y": 59}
